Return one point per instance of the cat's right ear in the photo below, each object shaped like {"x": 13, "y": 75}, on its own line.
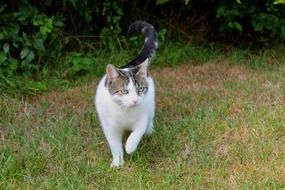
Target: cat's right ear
{"x": 112, "y": 72}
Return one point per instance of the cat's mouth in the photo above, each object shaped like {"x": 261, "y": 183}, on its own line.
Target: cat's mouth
{"x": 126, "y": 106}
{"x": 132, "y": 105}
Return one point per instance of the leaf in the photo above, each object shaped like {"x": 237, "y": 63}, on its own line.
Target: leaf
{"x": 186, "y": 2}
{"x": 13, "y": 65}
{"x": 221, "y": 12}
{"x": 160, "y": 2}
{"x": 24, "y": 52}
{"x": 6, "y": 48}
{"x": 26, "y": 39}
{"x": 37, "y": 22}
{"x": 2, "y": 36}
{"x": 238, "y": 26}
{"x": 258, "y": 27}
{"x": 31, "y": 56}
{"x": 40, "y": 86}
{"x": 279, "y": 2}
{"x": 47, "y": 26}
{"x": 235, "y": 25}
{"x": 2, "y": 8}
{"x": 33, "y": 85}
{"x": 13, "y": 29}
{"x": 45, "y": 29}
{"x": 58, "y": 23}
{"x": 39, "y": 45}
{"x": 2, "y": 57}
{"x": 16, "y": 45}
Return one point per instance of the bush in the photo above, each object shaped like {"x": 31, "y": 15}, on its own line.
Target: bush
{"x": 28, "y": 37}
{"x": 261, "y": 20}
{"x": 34, "y": 34}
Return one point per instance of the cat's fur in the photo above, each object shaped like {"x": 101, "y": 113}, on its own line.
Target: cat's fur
{"x": 125, "y": 98}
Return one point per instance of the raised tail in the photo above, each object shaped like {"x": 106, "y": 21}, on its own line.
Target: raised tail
{"x": 150, "y": 41}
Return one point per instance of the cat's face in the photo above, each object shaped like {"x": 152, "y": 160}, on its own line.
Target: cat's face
{"x": 127, "y": 87}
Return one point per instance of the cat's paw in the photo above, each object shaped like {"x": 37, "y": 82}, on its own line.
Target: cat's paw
{"x": 117, "y": 162}
{"x": 130, "y": 147}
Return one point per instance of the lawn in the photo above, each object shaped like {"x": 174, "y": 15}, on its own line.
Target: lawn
{"x": 218, "y": 125}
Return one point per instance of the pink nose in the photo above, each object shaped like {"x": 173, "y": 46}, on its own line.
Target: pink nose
{"x": 135, "y": 101}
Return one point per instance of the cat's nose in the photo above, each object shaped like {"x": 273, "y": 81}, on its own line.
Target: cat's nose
{"x": 135, "y": 101}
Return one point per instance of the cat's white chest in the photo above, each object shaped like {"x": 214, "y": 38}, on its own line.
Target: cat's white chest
{"x": 129, "y": 118}
{"x": 124, "y": 118}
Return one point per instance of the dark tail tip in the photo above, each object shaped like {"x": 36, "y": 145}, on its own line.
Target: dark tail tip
{"x": 138, "y": 26}
{"x": 150, "y": 44}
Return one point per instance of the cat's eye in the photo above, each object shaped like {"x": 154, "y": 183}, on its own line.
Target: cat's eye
{"x": 141, "y": 89}
{"x": 124, "y": 91}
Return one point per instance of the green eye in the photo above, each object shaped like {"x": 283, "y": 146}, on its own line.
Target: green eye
{"x": 141, "y": 89}
{"x": 124, "y": 91}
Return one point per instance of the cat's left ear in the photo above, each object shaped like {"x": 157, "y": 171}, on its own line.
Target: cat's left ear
{"x": 142, "y": 68}
{"x": 112, "y": 72}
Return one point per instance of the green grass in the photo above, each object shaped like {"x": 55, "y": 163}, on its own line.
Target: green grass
{"x": 218, "y": 125}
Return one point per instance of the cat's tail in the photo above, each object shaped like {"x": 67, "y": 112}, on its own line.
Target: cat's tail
{"x": 150, "y": 41}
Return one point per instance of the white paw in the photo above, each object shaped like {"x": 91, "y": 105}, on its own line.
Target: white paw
{"x": 117, "y": 161}
{"x": 131, "y": 147}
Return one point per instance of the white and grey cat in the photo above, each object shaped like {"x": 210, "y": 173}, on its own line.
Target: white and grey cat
{"x": 125, "y": 97}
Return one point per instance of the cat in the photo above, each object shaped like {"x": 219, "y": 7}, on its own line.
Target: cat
{"x": 125, "y": 97}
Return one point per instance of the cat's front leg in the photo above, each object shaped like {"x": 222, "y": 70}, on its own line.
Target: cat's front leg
{"x": 114, "y": 138}
{"x": 149, "y": 129}
{"x": 135, "y": 137}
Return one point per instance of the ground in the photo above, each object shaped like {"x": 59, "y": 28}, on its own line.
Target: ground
{"x": 217, "y": 126}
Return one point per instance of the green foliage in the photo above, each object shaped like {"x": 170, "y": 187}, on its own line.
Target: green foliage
{"x": 111, "y": 33}
{"x": 279, "y": 1}
{"x": 77, "y": 63}
{"x": 236, "y": 20}
{"x": 15, "y": 85}
{"x": 264, "y": 19}
{"x": 38, "y": 35}
{"x": 24, "y": 36}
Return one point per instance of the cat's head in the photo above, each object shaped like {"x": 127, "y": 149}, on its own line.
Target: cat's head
{"x": 127, "y": 86}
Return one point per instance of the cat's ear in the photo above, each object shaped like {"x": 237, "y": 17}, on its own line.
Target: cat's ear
{"x": 142, "y": 68}
{"x": 112, "y": 72}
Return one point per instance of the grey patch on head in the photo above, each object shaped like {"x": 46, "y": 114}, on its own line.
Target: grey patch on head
{"x": 118, "y": 83}
{"x": 140, "y": 81}
{"x": 125, "y": 76}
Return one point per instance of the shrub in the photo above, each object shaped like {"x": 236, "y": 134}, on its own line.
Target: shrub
{"x": 34, "y": 34}
{"x": 262, "y": 20}
{"x": 28, "y": 37}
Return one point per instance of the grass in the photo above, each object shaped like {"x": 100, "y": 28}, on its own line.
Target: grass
{"x": 219, "y": 125}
